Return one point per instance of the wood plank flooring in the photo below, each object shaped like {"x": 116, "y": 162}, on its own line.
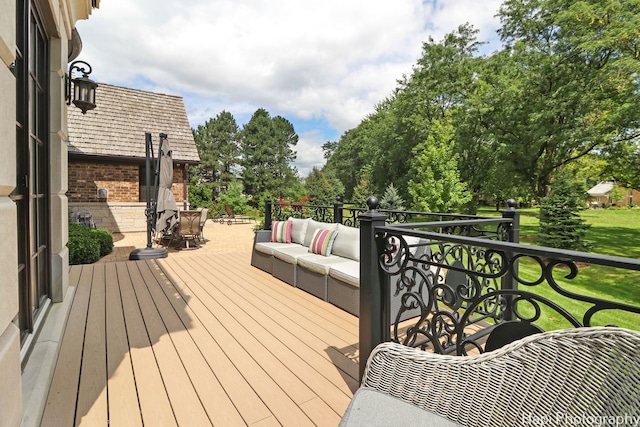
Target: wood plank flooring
{"x": 196, "y": 341}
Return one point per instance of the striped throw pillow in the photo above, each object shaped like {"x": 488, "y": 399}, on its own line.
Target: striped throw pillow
{"x": 281, "y": 231}
{"x": 322, "y": 241}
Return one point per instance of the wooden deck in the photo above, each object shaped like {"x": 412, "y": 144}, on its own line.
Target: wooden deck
{"x": 200, "y": 340}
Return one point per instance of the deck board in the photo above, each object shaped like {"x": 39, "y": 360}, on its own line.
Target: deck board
{"x": 92, "y": 392}
{"x": 122, "y": 384}
{"x": 61, "y": 403}
{"x": 154, "y": 403}
{"x": 288, "y": 339}
{"x": 200, "y": 340}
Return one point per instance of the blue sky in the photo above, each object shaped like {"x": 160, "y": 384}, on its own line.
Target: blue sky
{"x": 321, "y": 64}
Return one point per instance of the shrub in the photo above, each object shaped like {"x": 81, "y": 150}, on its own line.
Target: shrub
{"x": 105, "y": 239}
{"x": 87, "y": 245}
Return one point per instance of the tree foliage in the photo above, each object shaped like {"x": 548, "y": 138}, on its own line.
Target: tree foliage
{"x": 563, "y": 88}
{"x": 435, "y": 185}
{"x": 218, "y": 147}
{"x": 560, "y": 223}
{"x": 323, "y": 187}
{"x": 267, "y": 151}
{"x": 391, "y": 200}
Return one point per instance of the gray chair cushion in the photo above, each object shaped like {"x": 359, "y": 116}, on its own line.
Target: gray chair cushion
{"x": 371, "y": 408}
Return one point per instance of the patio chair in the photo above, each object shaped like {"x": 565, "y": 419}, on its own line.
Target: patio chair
{"x": 189, "y": 228}
{"x": 204, "y": 212}
{"x": 232, "y": 218}
{"x": 84, "y": 218}
{"x": 566, "y": 377}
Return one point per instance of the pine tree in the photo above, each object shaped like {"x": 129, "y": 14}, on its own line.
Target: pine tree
{"x": 560, "y": 225}
{"x": 391, "y": 199}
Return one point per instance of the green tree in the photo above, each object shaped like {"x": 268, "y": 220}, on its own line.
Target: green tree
{"x": 235, "y": 197}
{"x": 267, "y": 151}
{"x": 623, "y": 163}
{"x": 363, "y": 189}
{"x": 564, "y": 88}
{"x": 323, "y": 187}
{"x": 435, "y": 184}
{"x": 391, "y": 199}
{"x": 560, "y": 224}
{"x": 217, "y": 143}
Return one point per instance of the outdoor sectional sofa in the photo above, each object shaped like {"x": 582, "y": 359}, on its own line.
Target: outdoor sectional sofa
{"x": 333, "y": 276}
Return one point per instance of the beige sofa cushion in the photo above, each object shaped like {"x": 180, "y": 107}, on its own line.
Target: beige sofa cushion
{"x": 313, "y": 226}
{"x": 347, "y": 243}
{"x": 298, "y": 229}
{"x": 319, "y": 263}
{"x": 290, "y": 253}
{"x": 268, "y": 247}
{"x": 348, "y": 272}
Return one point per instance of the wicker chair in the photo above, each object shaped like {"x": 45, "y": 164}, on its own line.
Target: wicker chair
{"x": 558, "y": 378}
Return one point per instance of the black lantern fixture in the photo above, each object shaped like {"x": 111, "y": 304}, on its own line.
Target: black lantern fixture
{"x": 83, "y": 95}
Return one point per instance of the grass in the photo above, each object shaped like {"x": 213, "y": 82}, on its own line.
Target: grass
{"x": 613, "y": 232}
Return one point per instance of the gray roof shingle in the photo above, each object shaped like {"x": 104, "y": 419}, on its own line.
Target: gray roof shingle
{"x": 117, "y": 126}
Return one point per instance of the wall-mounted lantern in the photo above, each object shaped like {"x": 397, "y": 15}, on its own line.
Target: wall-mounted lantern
{"x": 83, "y": 93}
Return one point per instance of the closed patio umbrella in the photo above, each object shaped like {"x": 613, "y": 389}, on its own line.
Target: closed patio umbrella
{"x": 166, "y": 207}
{"x": 151, "y": 212}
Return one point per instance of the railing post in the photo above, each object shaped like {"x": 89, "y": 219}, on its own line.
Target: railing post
{"x": 513, "y": 214}
{"x": 513, "y": 234}
{"x": 371, "y": 293}
{"x": 267, "y": 214}
{"x": 337, "y": 210}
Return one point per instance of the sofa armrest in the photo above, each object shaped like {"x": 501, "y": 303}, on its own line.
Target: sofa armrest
{"x": 262, "y": 236}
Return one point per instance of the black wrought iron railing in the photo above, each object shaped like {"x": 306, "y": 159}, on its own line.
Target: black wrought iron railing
{"x": 468, "y": 285}
{"x": 349, "y": 215}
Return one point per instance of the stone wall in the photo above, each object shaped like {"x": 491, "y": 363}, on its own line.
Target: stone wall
{"x": 114, "y": 217}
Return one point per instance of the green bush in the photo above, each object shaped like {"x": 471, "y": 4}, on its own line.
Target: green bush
{"x": 105, "y": 239}
{"x": 87, "y": 245}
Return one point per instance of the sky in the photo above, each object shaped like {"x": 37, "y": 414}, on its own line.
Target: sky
{"x": 321, "y": 64}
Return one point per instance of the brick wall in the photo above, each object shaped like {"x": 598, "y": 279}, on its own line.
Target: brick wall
{"x": 122, "y": 181}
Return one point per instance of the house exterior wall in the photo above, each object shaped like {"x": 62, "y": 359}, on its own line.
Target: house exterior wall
{"x": 61, "y": 16}
{"x": 11, "y": 384}
{"x": 123, "y": 210}
{"x": 629, "y": 198}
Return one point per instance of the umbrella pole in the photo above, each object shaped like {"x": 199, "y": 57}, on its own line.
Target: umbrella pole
{"x": 149, "y": 252}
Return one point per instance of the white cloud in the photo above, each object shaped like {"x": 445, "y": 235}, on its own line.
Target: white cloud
{"x": 329, "y": 60}
{"x": 310, "y": 154}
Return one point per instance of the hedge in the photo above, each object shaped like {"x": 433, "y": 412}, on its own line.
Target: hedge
{"x": 87, "y": 245}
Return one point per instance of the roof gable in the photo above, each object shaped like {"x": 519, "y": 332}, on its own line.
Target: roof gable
{"x": 601, "y": 189}
{"x": 117, "y": 126}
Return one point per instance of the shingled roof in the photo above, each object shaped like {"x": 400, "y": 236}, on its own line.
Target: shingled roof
{"x": 116, "y": 127}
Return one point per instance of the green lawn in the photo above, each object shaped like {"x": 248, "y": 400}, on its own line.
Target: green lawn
{"x": 613, "y": 232}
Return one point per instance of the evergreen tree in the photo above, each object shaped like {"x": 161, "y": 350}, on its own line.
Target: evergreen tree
{"x": 391, "y": 199}
{"x": 217, "y": 143}
{"x": 323, "y": 187}
{"x": 266, "y": 145}
{"x": 364, "y": 189}
{"x": 560, "y": 225}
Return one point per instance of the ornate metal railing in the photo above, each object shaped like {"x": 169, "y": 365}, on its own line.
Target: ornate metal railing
{"x": 470, "y": 286}
{"x": 280, "y": 211}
